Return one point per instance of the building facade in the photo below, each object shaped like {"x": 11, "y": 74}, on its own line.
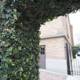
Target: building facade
{"x": 56, "y": 45}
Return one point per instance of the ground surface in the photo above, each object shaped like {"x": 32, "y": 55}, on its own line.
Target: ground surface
{"x": 50, "y": 75}
{"x": 46, "y": 75}
{"x": 73, "y": 78}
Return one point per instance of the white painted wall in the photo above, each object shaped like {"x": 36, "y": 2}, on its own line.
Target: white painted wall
{"x": 56, "y": 65}
{"x": 55, "y": 47}
{"x": 56, "y": 27}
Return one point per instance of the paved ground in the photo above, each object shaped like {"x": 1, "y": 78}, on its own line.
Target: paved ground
{"x": 46, "y": 75}
{"x": 73, "y": 78}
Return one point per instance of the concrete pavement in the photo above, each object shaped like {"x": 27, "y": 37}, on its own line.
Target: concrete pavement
{"x": 47, "y": 75}
{"x": 73, "y": 78}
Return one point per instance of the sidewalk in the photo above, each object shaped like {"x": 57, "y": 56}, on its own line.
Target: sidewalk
{"x": 46, "y": 75}
{"x": 73, "y": 78}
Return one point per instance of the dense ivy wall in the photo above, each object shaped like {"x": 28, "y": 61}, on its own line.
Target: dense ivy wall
{"x": 19, "y": 47}
{"x": 20, "y": 21}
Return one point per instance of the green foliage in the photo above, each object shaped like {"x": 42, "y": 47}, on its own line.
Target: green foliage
{"x": 42, "y": 10}
{"x": 75, "y": 49}
{"x": 18, "y": 48}
{"x": 18, "y": 62}
{"x": 20, "y": 21}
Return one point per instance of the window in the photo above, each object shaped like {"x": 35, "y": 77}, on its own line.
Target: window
{"x": 42, "y": 49}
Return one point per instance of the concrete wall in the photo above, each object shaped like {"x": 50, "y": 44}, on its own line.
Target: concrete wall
{"x": 52, "y": 28}
{"x": 51, "y": 32}
{"x": 54, "y": 47}
{"x": 55, "y": 54}
{"x": 57, "y": 27}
